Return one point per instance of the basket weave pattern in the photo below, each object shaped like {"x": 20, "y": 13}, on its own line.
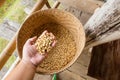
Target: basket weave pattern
{"x": 39, "y": 18}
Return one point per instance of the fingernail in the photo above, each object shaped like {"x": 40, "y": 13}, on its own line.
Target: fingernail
{"x": 35, "y": 37}
{"x": 54, "y": 43}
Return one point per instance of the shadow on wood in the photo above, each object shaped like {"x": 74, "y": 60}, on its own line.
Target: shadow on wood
{"x": 105, "y": 61}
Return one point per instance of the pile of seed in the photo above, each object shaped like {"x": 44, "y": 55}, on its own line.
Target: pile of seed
{"x": 44, "y": 42}
{"x": 64, "y": 50}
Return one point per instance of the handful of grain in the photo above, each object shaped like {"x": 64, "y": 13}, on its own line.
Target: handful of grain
{"x": 45, "y": 42}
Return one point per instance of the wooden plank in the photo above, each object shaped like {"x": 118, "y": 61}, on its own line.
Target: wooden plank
{"x": 65, "y": 75}
{"x": 84, "y": 5}
{"x": 81, "y": 15}
{"x": 48, "y": 5}
{"x": 7, "y": 52}
{"x": 42, "y": 77}
{"x": 56, "y": 4}
{"x": 105, "y": 61}
{"x": 12, "y": 67}
{"x": 84, "y": 58}
{"x": 68, "y": 75}
{"x": 104, "y": 25}
{"x": 80, "y": 70}
{"x": 38, "y": 5}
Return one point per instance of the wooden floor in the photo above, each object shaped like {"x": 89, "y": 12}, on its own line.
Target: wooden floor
{"x": 78, "y": 71}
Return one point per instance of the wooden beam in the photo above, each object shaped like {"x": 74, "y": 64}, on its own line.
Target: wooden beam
{"x": 7, "y": 52}
{"x": 12, "y": 67}
{"x": 56, "y": 4}
{"x": 84, "y": 5}
{"x": 104, "y": 25}
{"x": 105, "y": 61}
{"x": 48, "y": 5}
{"x": 68, "y": 75}
{"x": 38, "y": 5}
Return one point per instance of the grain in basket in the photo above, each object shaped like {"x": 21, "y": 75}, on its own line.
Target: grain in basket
{"x": 64, "y": 50}
{"x": 44, "y": 43}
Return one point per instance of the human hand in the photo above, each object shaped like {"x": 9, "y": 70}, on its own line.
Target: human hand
{"x": 30, "y": 53}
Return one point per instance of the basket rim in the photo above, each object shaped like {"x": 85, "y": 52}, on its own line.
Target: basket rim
{"x": 37, "y": 12}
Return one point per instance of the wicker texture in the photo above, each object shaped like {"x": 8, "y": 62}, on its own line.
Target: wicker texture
{"x": 36, "y": 20}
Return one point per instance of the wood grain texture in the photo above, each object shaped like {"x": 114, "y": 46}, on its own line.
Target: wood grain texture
{"x": 38, "y": 5}
{"x": 65, "y": 75}
{"x": 105, "y": 61}
{"x": 7, "y": 52}
{"x": 84, "y": 5}
{"x": 68, "y": 75}
{"x": 42, "y": 77}
{"x": 104, "y": 25}
{"x": 56, "y": 4}
{"x": 105, "y": 58}
{"x": 48, "y": 5}
{"x": 81, "y": 15}
{"x": 16, "y": 62}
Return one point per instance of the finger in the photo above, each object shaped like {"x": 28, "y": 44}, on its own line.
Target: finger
{"x": 45, "y": 32}
{"x": 32, "y": 40}
{"x": 54, "y": 43}
{"x": 51, "y": 34}
{"x": 52, "y": 37}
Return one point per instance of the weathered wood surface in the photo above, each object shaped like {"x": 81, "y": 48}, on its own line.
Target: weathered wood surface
{"x": 84, "y": 5}
{"x": 7, "y": 52}
{"x": 104, "y": 25}
{"x": 105, "y": 61}
{"x": 48, "y": 5}
{"x": 8, "y": 29}
{"x": 68, "y": 75}
{"x": 81, "y": 15}
{"x": 56, "y": 4}
{"x": 80, "y": 67}
{"x": 38, "y": 5}
{"x": 12, "y": 67}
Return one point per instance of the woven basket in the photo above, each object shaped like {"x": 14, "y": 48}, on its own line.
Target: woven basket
{"x": 52, "y": 16}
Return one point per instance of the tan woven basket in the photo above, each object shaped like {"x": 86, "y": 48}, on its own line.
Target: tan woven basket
{"x": 52, "y": 16}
